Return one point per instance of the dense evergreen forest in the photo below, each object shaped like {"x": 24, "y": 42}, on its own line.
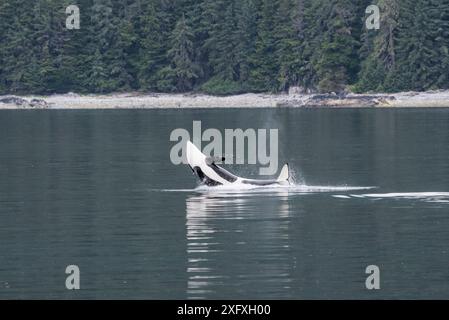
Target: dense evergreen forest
{"x": 223, "y": 46}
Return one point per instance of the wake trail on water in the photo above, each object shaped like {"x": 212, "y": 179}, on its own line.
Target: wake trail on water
{"x": 435, "y": 197}
{"x": 245, "y": 188}
{"x": 297, "y": 186}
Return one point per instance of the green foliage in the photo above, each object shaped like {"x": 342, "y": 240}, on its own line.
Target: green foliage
{"x": 217, "y": 86}
{"x": 410, "y": 51}
{"x": 184, "y": 71}
{"x": 223, "y": 46}
{"x": 263, "y": 75}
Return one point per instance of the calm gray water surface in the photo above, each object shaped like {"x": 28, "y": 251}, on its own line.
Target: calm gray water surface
{"x": 97, "y": 189}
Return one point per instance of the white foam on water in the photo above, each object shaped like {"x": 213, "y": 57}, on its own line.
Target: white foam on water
{"x": 239, "y": 188}
{"x": 409, "y": 195}
{"x": 339, "y": 196}
{"x": 344, "y": 192}
{"x": 297, "y": 186}
{"x": 277, "y": 189}
{"x": 436, "y": 197}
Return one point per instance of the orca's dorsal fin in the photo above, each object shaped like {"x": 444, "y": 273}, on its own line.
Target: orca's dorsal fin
{"x": 212, "y": 160}
{"x": 285, "y": 174}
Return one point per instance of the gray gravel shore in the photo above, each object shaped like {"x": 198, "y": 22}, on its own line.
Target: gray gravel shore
{"x": 251, "y": 100}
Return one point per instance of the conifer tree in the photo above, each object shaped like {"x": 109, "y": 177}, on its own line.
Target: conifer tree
{"x": 183, "y": 70}
{"x": 337, "y": 62}
{"x": 151, "y": 56}
{"x": 246, "y": 32}
{"x": 264, "y": 63}
{"x": 378, "y": 53}
{"x": 289, "y": 32}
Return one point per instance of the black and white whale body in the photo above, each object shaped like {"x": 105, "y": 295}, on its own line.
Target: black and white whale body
{"x": 212, "y": 175}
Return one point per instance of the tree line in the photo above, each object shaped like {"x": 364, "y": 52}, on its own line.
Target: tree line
{"x": 223, "y": 46}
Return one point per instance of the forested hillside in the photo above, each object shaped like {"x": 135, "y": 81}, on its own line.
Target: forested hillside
{"x": 223, "y": 46}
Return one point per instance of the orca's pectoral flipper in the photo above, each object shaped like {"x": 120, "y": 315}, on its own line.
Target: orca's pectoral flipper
{"x": 212, "y": 160}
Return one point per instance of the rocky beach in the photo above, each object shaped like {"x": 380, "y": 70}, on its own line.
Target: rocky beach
{"x": 250, "y": 100}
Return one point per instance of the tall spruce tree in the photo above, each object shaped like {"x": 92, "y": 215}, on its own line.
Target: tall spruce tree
{"x": 289, "y": 37}
{"x": 7, "y": 33}
{"x": 378, "y": 53}
{"x": 336, "y": 64}
{"x": 245, "y": 37}
{"x": 19, "y": 64}
{"x": 102, "y": 32}
{"x": 221, "y": 42}
{"x": 182, "y": 70}
{"x": 151, "y": 50}
{"x": 264, "y": 62}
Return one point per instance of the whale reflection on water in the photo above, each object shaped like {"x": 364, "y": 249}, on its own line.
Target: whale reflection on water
{"x": 228, "y": 238}
{"x": 243, "y": 238}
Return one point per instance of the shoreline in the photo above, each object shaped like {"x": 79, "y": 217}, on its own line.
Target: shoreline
{"x": 429, "y": 99}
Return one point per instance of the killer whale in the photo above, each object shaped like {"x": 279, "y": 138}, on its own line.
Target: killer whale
{"x": 212, "y": 175}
